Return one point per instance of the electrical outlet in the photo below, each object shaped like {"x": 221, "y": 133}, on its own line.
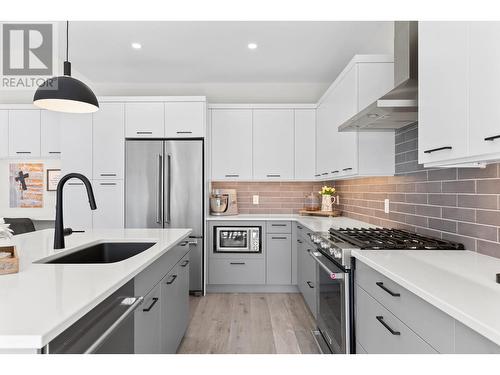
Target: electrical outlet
{"x": 386, "y": 206}
{"x": 255, "y": 199}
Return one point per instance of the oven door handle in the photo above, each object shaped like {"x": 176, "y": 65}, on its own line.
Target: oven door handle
{"x": 333, "y": 275}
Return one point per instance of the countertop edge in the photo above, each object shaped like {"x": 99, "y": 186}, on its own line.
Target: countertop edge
{"x": 451, "y": 310}
{"x": 36, "y": 342}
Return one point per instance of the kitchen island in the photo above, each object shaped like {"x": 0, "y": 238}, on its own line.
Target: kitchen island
{"x": 43, "y": 300}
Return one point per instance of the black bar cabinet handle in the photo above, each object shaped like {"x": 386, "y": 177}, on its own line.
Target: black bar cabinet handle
{"x": 381, "y": 285}
{"x": 437, "y": 149}
{"x": 279, "y": 238}
{"x": 278, "y": 225}
{"x": 310, "y": 284}
{"x": 172, "y": 279}
{"x": 492, "y": 138}
{"x": 334, "y": 171}
{"x": 155, "y": 299}
{"x": 238, "y": 263}
{"x": 393, "y": 332}
{"x": 324, "y": 174}
{"x": 186, "y": 262}
{"x": 299, "y": 241}
{"x": 185, "y": 132}
{"x": 347, "y": 169}
{"x": 144, "y": 132}
{"x": 317, "y": 175}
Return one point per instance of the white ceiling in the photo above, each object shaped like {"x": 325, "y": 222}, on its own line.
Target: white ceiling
{"x": 294, "y": 61}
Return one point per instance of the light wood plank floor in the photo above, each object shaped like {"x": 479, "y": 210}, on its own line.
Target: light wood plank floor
{"x": 249, "y": 323}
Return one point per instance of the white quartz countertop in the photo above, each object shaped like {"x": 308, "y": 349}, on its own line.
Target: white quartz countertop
{"x": 460, "y": 283}
{"x": 314, "y": 223}
{"x": 42, "y": 300}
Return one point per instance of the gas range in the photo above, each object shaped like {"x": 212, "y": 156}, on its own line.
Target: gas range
{"x": 337, "y": 244}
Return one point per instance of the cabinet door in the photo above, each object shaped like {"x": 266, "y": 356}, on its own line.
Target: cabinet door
{"x": 374, "y": 80}
{"x": 345, "y": 105}
{"x": 50, "y": 133}
{"x": 443, "y": 105}
{"x": 175, "y": 294}
{"x": 4, "y": 134}
{"x": 309, "y": 280}
{"x": 24, "y": 133}
{"x": 147, "y": 323}
{"x": 273, "y": 144}
{"x": 77, "y": 212}
{"x": 305, "y": 144}
{"x": 231, "y": 144}
{"x": 327, "y": 145}
{"x": 109, "y": 196}
{"x": 144, "y": 120}
{"x": 109, "y": 141}
{"x": 76, "y": 143}
{"x": 279, "y": 259}
{"x": 185, "y": 119}
{"x": 484, "y": 70}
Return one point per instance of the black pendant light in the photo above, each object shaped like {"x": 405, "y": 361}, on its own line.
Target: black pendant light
{"x": 65, "y": 93}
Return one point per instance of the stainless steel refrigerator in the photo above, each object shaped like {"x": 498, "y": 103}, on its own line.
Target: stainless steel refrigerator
{"x": 164, "y": 189}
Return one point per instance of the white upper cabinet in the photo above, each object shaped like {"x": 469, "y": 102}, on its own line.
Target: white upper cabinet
{"x": 345, "y": 106}
{"x": 185, "y": 119}
{"x": 110, "y": 201}
{"x": 108, "y": 141}
{"x": 484, "y": 110}
{"x": 76, "y": 143}
{"x": 50, "y": 133}
{"x": 339, "y": 154}
{"x": 305, "y": 138}
{"x": 273, "y": 144}
{"x": 443, "y": 107}
{"x": 4, "y": 134}
{"x": 24, "y": 133}
{"x": 145, "y": 120}
{"x": 231, "y": 144}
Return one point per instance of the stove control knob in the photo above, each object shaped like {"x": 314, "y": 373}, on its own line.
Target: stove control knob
{"x": 315, "y": 239}
{"x": 337, "y": 253}
{"x": 324, "y": 245}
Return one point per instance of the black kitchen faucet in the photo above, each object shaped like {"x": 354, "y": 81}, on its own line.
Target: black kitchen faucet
{"x": 59, "y": 226}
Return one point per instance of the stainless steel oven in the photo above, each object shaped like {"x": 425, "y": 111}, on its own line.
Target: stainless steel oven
{"x": 237, "y": 239}
{"x": 333, "y": 298}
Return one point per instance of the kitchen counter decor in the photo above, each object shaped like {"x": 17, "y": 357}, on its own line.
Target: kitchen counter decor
{"x": 9, "y": 261}
{"x": 327, "y": 198}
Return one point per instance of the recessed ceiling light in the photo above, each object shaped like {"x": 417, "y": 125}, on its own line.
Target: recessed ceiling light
{"x": 252, "y": 45}
{"x": 136, "y": 45}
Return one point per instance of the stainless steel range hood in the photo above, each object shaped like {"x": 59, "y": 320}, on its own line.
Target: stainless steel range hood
{"x": 399, "y": 107}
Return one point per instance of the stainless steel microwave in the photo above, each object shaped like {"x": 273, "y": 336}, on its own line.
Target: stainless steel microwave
{"x": 238, "y": 239}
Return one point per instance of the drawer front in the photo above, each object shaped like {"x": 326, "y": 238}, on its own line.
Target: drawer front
{"x": 430, "y": 323}
{"x": 148, "y": 278}
{"x": 237, "y": 271}
{"x": 373, "y": 329}
{"x": 279, "y": 227}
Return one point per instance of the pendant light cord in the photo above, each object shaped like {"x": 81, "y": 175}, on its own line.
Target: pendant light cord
{"x": 67, "y": 40}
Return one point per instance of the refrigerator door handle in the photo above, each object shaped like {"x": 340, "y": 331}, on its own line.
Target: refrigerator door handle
{"x": 159, "y": 192}
{"x": 169, "y": 185}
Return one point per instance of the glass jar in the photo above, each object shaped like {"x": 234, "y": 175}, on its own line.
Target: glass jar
{"x": 312, "y": 202}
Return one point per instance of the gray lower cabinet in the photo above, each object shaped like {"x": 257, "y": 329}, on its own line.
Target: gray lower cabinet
{"x": 279, "y": 259}
{"x": 174, "y": 307}
{"x": 390, "y": 319}
{"x": 161, "y": 321}
{"x": 379, "y": 331}
{"x": 147, "y": 336}
{"x": 237, "y": 271}
{"x": 306, "y": 274}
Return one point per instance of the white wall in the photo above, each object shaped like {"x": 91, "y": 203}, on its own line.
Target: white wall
{"x": 49, "y": 197}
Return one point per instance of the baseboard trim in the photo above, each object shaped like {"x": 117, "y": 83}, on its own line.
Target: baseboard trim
{"x": 252, "y": 289}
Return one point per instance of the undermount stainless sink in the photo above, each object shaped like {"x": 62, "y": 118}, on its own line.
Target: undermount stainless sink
{"x": 106, "y": 252}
